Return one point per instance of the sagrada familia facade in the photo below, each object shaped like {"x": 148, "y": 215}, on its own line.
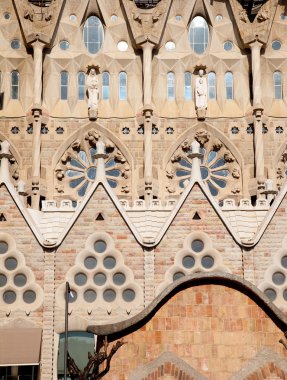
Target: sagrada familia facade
{"x": 143, "y": 192}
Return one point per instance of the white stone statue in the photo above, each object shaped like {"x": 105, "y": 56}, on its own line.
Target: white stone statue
{"x": 201, "y": 91}
{"x": 93, "y": 92}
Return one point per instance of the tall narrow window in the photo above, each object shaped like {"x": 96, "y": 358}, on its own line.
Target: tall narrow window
{"x": 81, "y": 85}
{"x": 211, "y": 85}
{"x": 187, "y": 86}
{"x": 170, "y": 86}
{"x": 277, "y": 78}
{"x": 198, "y": 35}
{"x": 123, "y": 85}
{"x": 229, "y": 85}
{"x": 105, "y": 85}
{"x": 93, "y": 34}
{"x": 64, "y": 85}
{"x": 15, "y": 84}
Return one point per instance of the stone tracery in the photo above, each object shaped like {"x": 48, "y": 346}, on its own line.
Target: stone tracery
{"x": 77, "y": 168}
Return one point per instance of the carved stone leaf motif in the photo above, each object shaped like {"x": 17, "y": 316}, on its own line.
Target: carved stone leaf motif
{"x": 236, "y": 173}
{"x": 176, "y": 158}
{"x": 228, "y": 157}
{"x": 185, "y": 145}
{"x": 202, "y": 136}
{"x": 217, "y": 145}
{"x": 119, "y": 157}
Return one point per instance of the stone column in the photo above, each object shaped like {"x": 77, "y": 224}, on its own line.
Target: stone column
{"x": 100, "y": 156}
{"x": 258, "y": 112}
{"x": 149, "y": 287}
{"x": 5, "y": 156}
{"x": 147, "y": 48}
{"x": 38, "y": 71}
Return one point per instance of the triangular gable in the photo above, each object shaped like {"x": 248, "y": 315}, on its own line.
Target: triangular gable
{"x": 11, "y": 205}
{"x": 187, "y": 198}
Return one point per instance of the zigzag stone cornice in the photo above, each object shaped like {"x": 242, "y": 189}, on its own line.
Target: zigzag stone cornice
{"x": 38, "y": 23}
{"x": 260, "y": 28}
{"x": 147, "y": 24}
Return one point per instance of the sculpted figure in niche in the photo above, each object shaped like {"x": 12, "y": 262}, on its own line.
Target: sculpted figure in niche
{"x": 93, "y": 92}
{"x": 200, "y": 95}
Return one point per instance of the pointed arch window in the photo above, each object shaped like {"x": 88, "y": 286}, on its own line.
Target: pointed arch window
{"x": 198, "y": 35}
{"x": 211, "y": 85}
{"x": 228, "y": 78}
{"x": 64, "y": 85}
{"x": 93, "y": 34}
{"x": 170, "y": 86}
{"x": 15, "y": 79}
{"x": 277, "y": 80}
{"x": 81, "y": 85}
{"x": 105, "y": 85}
{"x": 187, "y": 86}
{"x": 123, "y": 85}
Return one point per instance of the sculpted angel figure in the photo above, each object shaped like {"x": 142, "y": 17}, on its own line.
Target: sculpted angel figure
{"x": 201, "y": 91}
{"x": 93, "y": 89}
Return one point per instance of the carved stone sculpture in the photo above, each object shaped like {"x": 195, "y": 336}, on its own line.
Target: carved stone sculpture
{"x": 93, "y": 93}
{"x": 201, "y": 95}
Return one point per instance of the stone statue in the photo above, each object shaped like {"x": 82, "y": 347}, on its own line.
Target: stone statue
{"x": 93, "y": 92}
{"x": 201, "y": 95}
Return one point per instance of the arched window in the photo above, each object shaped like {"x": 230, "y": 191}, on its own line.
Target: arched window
{"x": 81, "y": 85}
{"x": 277, "y": 79}
{"x": 123, "y": 85}
{"x": 93, "y": 34}
{"x": 198, "y": 35}
{"x": 105, "y": 85}
{"x": 229, "y": 85}
{"x": 211, "y": 85}
{"x": 170, "y": 86}
{"x": 15, "y": 79}
{"x": 64, "y": 85}
{"x": 187, "y": 86}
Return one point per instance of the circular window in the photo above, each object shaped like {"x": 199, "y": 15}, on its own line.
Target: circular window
{"x": 72, "y": 296}
{"x": 119, "y": 278}
{"x": 122, "y": 46}
{"x": 114, "y": 18}
{"x": 109, "y": 262}
{"x": 64, "y": 45}
{"x": 7, "y": 15}
{"x": 198, "y": 35}
{"x": 170, "y": 45}
{"x": 80, "y": 279}
{"x": 73, "y": 17}
{"x": 284, "y": 262}
{"x": 197, "y": 245}
{"x": 177, "y": 275}
{"x": 109, "y": 295}
{"x": 218, "y": 18}
{"x": 129, "y": 295}
{"x": 90, "y": 295}
{"x": 20, "y": 279}
{"x": 276, "y": 45}
{"x": 100, "y": 246}
{"x": 9, "y": 297}
{"x": 11, "y": 263}
{"x": 100, "y": 279}
{"x": 188, "y": 262}
{"x": 207, "y": 262}
{"x": 3, "y": 247}
{"x": 15, "y": 44}
{"x": 228, "y": 45}
{"x": 93, "y": 34}
{"x": 285, "y": 294}
{"x": 278, "y": 278}
{"x": 3, "y": 280}
{"x": 283, "y": 16}
{"x": 178, "y": 17}
{"x": 90, "y": 262}
{"x": 270, "y": 293}
{"x": 29, "y": 296}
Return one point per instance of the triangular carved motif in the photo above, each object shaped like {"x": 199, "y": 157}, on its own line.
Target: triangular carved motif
{"x": 196, "y": 216}
{"x": 2, "y": 218}
{"x": 100, "y": 216}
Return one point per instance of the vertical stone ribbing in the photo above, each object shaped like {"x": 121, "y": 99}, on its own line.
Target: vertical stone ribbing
{"x": 47, "y": 354}
{"x": 149, "y": 284}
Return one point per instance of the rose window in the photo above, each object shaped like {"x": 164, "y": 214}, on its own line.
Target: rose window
{"x": 213, "y": 170}
{"x": 82, "y": 171}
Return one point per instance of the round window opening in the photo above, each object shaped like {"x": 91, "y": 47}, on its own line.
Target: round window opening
{"x": 188, "y": 262}
{"x": 64, "y": 45}
{"x": 284, "y": 262}
{"x": 109, "y": 295}
{"x": 270, "y": 293}
{"x": 177, "y": 276}
{"x": 90, "y": 295}
{"x": 29, "y": 296}
{"x": 100, "y": 279}
{"x": 3, "y": 247}
{"x": 100, "y": 246}
{"x": 7, "y": 15}
{"x": 228, "y": 45}
{"x": 170, "y": 45}
{"x": 11, "y": 263}
{"x": 197, "y": 245}
{"x": 278, "y": 278}
{"x": 20, "y": 279}
{"x": 80, "y": 279}
{"x": 207, "y": 262}
{"x": 276, "y": 45}
{"x": 72, "y": 296}
{"x": 90, "y": 262}
{"x": 15, "y": 44}
{"x": 9, "y": 297}
{"x": 3, "y": 280}
{"x": 119, "y": 278}
{"x": 109, "y": 262}
{"x": 122, "y": 46}
{"x": 129, "y": 295}
{"x": 198, "y": 35}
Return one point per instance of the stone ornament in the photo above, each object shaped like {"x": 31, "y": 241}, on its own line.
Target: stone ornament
{"x": 200, "y": 95}
{"x": 92, "y": 84}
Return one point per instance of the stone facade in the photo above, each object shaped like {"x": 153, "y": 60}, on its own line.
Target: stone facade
{"x": 143, "y": 162}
